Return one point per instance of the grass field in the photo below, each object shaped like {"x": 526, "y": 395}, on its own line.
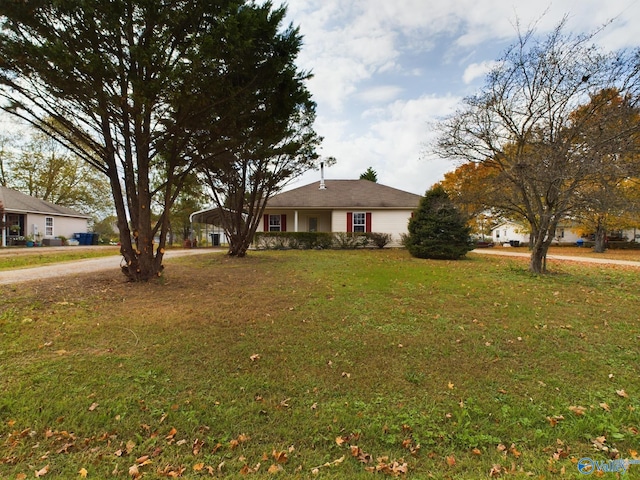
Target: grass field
{"x": 322, "y": 364}
{"x": 14, "y": 258}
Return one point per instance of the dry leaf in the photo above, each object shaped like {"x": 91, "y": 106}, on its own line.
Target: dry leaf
{"x": 254, "y": 357}
{"x": 172, "y": 433}
{"x": 450, "y": 385}
{"x": 553, "y": 421}
{"x": 578, "y": 410}
{"x": 83, "y": 473}
{"x": 476, "y": 451}
{"x": 513, "y": 451}
{"x": 198, "y": 467}
{"x": 21, "y": 476}
{"x": 42, "y": 472}
{"x": 605, "y": 407}
{"x": 340, "y": 441}
{"x": 451, "y": 460}
{"x": 280, "y": 457}
{"x": 273, "y": 469}
{"x": 134, "y": 472}
{"x": 93, "y": 406}
{"x": 495, "y": 471}
{"x": 622, "y": 393}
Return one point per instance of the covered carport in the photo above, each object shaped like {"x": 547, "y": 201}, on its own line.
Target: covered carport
{"x": 207, "y": 223}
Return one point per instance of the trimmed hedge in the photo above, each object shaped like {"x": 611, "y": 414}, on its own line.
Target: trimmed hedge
{"x": 319, "y": 240}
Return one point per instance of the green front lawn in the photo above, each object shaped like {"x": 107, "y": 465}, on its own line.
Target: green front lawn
{"x": 321, "y": 364}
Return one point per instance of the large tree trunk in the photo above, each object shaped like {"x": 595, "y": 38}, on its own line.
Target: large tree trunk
{"x": 543, "y": 238}
{"x": 600, "y": 237}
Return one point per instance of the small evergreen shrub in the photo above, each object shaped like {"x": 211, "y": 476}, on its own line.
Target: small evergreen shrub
{"x": 438, "y": 230}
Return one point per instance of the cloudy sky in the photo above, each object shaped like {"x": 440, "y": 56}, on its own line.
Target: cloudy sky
{"x": 384, "y": 69}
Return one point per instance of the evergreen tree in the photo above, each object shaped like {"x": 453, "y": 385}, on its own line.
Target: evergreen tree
{"x": 369, "y": 174}
{"x": 438, "y": 230}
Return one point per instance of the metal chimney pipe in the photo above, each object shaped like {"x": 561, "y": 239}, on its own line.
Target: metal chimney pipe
{"x": 322, "y": 186}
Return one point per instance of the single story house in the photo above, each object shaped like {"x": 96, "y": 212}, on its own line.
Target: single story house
{"x": 27, "y": 216}
{"x": 508, "y": 232}
{"x": 341, "y": 206}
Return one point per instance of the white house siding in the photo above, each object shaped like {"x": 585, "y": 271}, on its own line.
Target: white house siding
{"x": 62, "y": 226}
{"x": 394, "y": 222}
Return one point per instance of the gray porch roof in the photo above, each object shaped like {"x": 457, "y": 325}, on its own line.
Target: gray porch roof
{"x": 17, "y": 202}
{"x": 346, "y": 194}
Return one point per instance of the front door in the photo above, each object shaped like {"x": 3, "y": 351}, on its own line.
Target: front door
{"x": 313, "y": 224}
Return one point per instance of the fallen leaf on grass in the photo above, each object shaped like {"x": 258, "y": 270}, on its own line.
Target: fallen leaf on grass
{"x": 476, "y": 451}
{"x": 83, "y": 473}
{"x": 393, "y": 469}
{"x": 197, "y": 446}
{"x": 605, "y": 407}
{"x": 599, "y": 443}
{"x": 280, "y": 457}
{"x": 273, "y": 469}
{"x": 495, "y": 471}
{"x": 21, "y": 476}
{"x": 198, "y": 467}
{"x": 338, "y": 461}
{"x": 42, "y": 472}
{"x": 254, "y": 357}
{"x": 247, "y": 469}
{"x": 622, "y": 393}
{"x": 451, "y": 460}
{"x": 514, "y": 451}
{"x": 553, "y": 421}
{"x": 360, "y": 455}
{"x": 578, "y": 410}
{"x": 134, "y": 471}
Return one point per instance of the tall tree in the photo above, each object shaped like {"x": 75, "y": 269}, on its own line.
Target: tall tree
{"x": 44, "y": 169}
{"x": 133, "y": 85}
{"x": 437, "y": 229}
{"x": 273, "y": 141}
{"x": 521, "y": 124}
{"x": 6, "y": 156}
{"x": 607, "y": 201}
{"x": 369, "y": 174}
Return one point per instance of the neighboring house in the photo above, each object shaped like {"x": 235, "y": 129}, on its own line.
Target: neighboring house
{"x": 26, "y": 216}
{"x": 341, "y": 206}
{"x": 565, "y": 234}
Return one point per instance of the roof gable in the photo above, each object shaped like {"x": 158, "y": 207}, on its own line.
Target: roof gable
{"x": 345, "y": 194}
{"x": 17, "y": 202}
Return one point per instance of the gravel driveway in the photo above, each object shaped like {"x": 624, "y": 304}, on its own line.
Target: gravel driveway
{"x": 80, "y": 266}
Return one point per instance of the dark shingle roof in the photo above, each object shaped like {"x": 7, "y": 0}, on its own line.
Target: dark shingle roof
{"x": 345, "y": 194}
{"x": 17, "y": 202}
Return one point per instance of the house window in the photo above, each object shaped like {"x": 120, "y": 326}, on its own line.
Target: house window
{"x": 274, "y": 223}
{"x": 359, "y": 222}
{"x": 48, "y": 226}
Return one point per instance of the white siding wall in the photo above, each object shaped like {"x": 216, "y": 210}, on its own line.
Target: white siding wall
{"x": 394, "y": 222}
{"x": 62, "y": 226}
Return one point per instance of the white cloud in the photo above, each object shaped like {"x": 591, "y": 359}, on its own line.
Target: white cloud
{"x": 380, "y": 94}
{"x": 477, "y": 70}
{"x": 384, "y": 68}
